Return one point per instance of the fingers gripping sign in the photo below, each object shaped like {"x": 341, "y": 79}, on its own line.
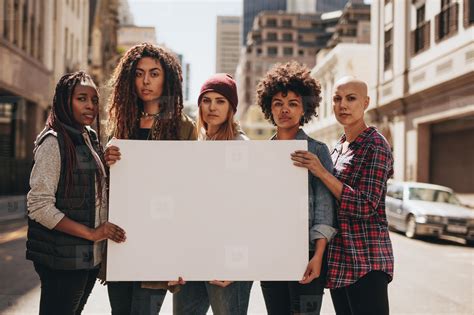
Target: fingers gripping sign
{"x": 112, "y": 153}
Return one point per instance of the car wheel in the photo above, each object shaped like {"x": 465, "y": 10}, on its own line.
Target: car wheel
{"x": 411, "y": 227}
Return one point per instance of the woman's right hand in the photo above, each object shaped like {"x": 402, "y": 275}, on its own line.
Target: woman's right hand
{"x": 175, "y": 283}
{"x": 109, "y": 231}
{"x": 112, "y": 153}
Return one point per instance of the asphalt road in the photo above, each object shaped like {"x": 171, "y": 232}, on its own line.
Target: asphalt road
{"x": 431, "y": 277}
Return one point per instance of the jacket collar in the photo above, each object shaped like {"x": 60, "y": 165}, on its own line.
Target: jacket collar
{"x": 300, "y": 135}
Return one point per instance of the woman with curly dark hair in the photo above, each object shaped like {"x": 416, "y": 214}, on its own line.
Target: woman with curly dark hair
{"x": 289, "y": 96}
{"x": 146, "y": 104}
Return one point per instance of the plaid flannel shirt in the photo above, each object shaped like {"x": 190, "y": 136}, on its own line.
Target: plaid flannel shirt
{"x": 362, "y": 243}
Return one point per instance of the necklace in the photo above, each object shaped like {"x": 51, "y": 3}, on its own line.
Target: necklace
{"x": 148, "y": 115}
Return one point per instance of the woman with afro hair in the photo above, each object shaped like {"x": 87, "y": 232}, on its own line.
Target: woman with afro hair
{"x": 289, "y": 96}
{"x": 146, "y": 104}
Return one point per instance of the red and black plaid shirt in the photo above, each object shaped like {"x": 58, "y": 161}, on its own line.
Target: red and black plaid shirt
{"x": 362, "y": 243}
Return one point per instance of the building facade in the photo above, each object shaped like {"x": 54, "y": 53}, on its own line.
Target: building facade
{"x": 423, "y": 88}
{"x": 227, "y": 43}
{"x": 103, "y": 53}
{"x": 278, "y": 37}
{"x": 39, "y": 42}
{"x": 353, "y": 25}
{"x": 131, "y": 35}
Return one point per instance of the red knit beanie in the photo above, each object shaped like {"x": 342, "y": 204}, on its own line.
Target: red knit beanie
{"x": 223, "y": 84}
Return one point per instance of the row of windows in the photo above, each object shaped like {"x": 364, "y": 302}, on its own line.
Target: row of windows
{"x": 445, "y": 25}
{"x": 271, "y": 22}
{"x": 22, "y": 25}
{"x": 274, "y": 36}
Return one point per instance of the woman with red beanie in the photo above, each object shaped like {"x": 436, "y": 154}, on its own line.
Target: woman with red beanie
{"x": 217, "y": 105}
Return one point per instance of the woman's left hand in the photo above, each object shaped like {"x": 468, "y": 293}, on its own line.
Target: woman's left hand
{"x": 308, "y": 160}
{"x": 221, "y": 284}
{"x": 313, "y": 270}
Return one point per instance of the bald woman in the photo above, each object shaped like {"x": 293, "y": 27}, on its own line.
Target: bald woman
{"x": 360, "y": 257}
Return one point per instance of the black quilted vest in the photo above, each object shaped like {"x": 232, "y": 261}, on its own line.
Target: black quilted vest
{"x": 55, "y": 249}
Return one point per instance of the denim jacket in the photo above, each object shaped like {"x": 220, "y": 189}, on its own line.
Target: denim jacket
{"x": 322, "y": 215}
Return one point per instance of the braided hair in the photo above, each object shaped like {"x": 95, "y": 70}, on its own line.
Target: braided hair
{"x": 125, "y": 105}
{"x": 61, "y": 114}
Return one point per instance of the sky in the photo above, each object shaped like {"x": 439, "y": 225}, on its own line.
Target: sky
{"x": 188, "y": 27}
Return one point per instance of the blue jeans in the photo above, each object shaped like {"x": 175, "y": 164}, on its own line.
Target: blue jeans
{"x": 195, "y": 297}
{"x": 130, "y": 298}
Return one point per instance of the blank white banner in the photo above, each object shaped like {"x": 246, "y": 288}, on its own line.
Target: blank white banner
{"x": 227, "y": 210}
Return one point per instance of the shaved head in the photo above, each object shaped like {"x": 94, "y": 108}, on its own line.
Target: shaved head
{"x": 353, "y": 84}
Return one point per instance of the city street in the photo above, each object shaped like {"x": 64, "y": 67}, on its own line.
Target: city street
{"x": 432, "y": 277}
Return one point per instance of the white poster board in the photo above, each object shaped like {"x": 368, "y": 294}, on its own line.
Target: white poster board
{"x": 227, "y": 210}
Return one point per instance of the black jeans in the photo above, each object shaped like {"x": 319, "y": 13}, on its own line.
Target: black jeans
{"x": 64, "y": 292}
{"x": 368, "y": 296}
{"x": 130, "y": 298}
{"x": 289, "y": 297}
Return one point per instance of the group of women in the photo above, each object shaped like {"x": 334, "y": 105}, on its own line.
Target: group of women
{"x": 349, "y": 249}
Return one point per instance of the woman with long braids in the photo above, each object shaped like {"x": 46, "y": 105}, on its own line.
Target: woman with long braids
{"x": 217, "y": 103}
{"x": 67, "y": 204}
{"x": 146, "y": 104}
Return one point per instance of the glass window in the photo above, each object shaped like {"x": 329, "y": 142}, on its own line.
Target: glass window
{"x": 272, "y": 51}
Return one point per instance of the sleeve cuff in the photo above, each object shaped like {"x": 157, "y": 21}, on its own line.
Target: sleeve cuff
{"x": 51, "y": 219}
{"x": 322, "y": 231}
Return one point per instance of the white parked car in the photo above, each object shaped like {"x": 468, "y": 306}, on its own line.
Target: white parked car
{"x": 420, "y": 209}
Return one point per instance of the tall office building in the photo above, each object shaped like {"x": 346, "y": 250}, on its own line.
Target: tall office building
{"x": 253, "y": 7}
{"x": 333, "y": 5}
{"x": 227, "y": 43}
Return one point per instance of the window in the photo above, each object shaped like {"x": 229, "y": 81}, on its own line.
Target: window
{"x": 272, "y": 51}
{"x": 271, "y": 22}
{"x": 16, "y": 22}
{"x": 301, "y": 52}
{"x": 24, "y": 28}
{"x": 395, "y": 191}
{"x": 420, "y": 15}
{"x": 420, "y": 37}
{"x": 288, "y": 51}
{"x": 259, "y": 51}
{"x": 446, "y": 22}
{"x": 288, "y": 37}
{"x": 388, "y": 49}
{"x": 272, "y": 36}
{"x": 468, "y": 12}
{"x": 286, "y": 23}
